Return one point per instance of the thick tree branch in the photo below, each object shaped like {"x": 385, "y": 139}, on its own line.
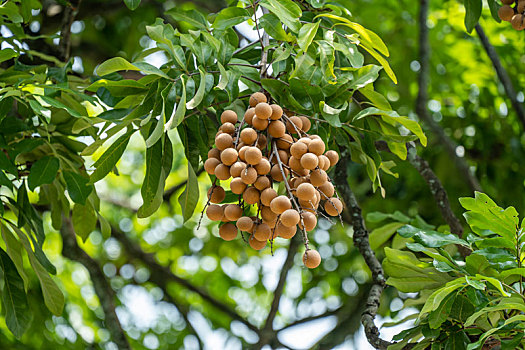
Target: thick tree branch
{"x": 502, "y": 74}
{"x": 106, "y": 294}
{"x": 422, "y": 100}
{"x": 162, "y": 274}
{"x": 363, "y": 245}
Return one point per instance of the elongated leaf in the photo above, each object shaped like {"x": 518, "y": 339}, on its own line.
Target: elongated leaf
{"x": 473, "y": 12}
{"x": 43, "y": 171}
{"x": 307, "y": 35}
{"x": 14, "y": 250}
{"x": 229, "y": 17}
{"x": 273, "y": 26}
{"x": 150, "y": 69}
{"x": 77, "y": 186}
{"x": 7, "y": 165}
{"x": 176, "y": 118}
{"x": 114, "y": 64}
{"x": 132, "y": 4}
{"x": 193, "y": 17}
{"x": 17, "y": 312}
{"x": 287, "y": 11}
{"x": 383, "y": 62}
{"x": 190, "y": 197}
{"x": 4, "y": 180}
{"x": 152, "y": 181}
{"x": 114, "y": 114}
{"x": 84, "y": 220}
{"x": 364, "y": 76}
{"x": 7, "y": 54}
{"x": 382, "y": 234}
{"x": 109, "y": 159}
{"x": 199, "y": 95}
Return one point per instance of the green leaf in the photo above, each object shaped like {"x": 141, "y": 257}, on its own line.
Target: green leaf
{"x": 7, "y": 165}
{"x": 119, "y": 88}
{"x": 84, "y": 220}
{"x": 153, "y": 181}
{"x": 497, "y": 284}
{"x": 150, "y": 69}
{"x": 332, "y": 114}
{"x": 273, "y": 26}
{"x": 430, "y": 239}
{"x": 109, "y": 159}
{"x": 193, "y": 17}
{"x": 114, "y": 114}
{"x": 190, "y": 197}
{"x": 306, "y": 35}
{"x": 115, "y": 64}
{"x": 383, "y": 62}
{"x": 132, "y": 4}
{"x": 105, "y": 227}
{"x": 473, "y": 12}
{"x": 440, "y": 314}
{"x": 287, "y": 11}
{"x": 53, "y": 297}
{"x": 7, "y": 54}
{"x": 494, "y": 7}
{"x": 364, "y": 76}
{"x": 180, "y": 112}
{"x": 14, "y": 250}
{"x": 43, "y": 172}
{"x": 58, "y": 104}
{"x": 381, "y": 235}
{"x": 199, "y": 95}
{"x": 229, "y": 17}
{"x": 17, "y": 312}
{"x": 78, "y": 187}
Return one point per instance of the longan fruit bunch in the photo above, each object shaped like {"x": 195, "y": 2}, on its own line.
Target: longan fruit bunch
{"x": 515, "y": 15}
{"x": 267, "y": 147}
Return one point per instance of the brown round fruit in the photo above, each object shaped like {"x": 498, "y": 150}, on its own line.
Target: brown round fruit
{"x": 228, "y": 232}
{"x": 507, "y": 2}
{"x": 237, "y": 168}
{"x": 333, "y": 206}
{"x": 521, "y": 6}
{"x": 285, "y": 232}
{"x": 229, "y": 156}
{"x": 259, "y": 124}
{"x": 263, "y": 167}
{"x": 307, "y": 124}
{"x": 316, "y": 147}
{"x": 294, "y": 121}
{"x": 324, "y": 162}
{"x": 505, "y": 13}
{"x": 262, "y": 232}
{"x": 249, "y": 176}
{"x": 223, "y": 141}
{"x": 228, "y": 128}
{"x": 305, "y": 140}
{"x": 333, "y": 157}
{"x": 285, "y": 142}
{"x": 210, "y": 164}
{"x": 267, "y": 214}
{"x": 262, "y": 183}
{"x": 298, "y": 149}
{"x": 318, "y": 177}
{"x": 276, "y": 173}
{"x": 309, "y": 219}
{"x": 256, "y": 98}
{"x": 242, "y": 151}
{"x": 237, "y": 186}
{"x": 267, "y": 196}
{"x": 311, "y": 258}
{"x": 517, "y": 22}
{"x": 309, "y": 161}
{"x": 216, "y": 194}
{"x": 248, "y": 136}
{"x": 263, "y": 141}
{"x": 305, "y": 191}
{"x": 263, "y": 110}
{"x": 253, "y": 155}
{"x": 290, "y": 218}
{"x": 229, "y": 116}
{"x": 245, "y": 223}
{"x": 215, "y": 212}
{"x": 255, "y": 244}
{"x": 222, "y": 172}
{"x": 277, "y": 112}
{"x": 248, "y": 115}
{"x": 232, "y": 212}
{"x": 251, "y": 195}
{"x": 295, "y": 164}
{"x": 214, "y": 153}
{"x": 280, "y": 204}
{"x": 277, "y": 129}
{"x": 327, "y": 188}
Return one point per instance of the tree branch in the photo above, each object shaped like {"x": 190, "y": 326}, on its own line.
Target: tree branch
{"x": 361, "y": 242}
{"x": 502, "y": 74}
{"x": 106, "y": 294}
{"x": 162, "y": 274}
{"x": 422, "y": 100}
{"x": 64, "y": 45}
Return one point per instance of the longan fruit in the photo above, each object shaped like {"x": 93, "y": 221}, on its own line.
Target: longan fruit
{"x": 285, "y": 232}
{"x": 229, "y": 116}
{"x": 237, "y": 168}
{"x": 229, "y": 156}
{"x": 309, "y": 161}
{"x": 228, "y": 232}
{"x": 214, "y": 153}
{"x": 309, "y": 219}
{"x": 215, "y": 212}
{"x": 283, "y": 156}
{"x": 333, "y": 157}
{"x": 285, "y": 142}
{"x": 263, "y": 110}
{"x": 318, "y": 177}
{"x": 505, "y": 13}
{"x": 244, "y": 224}
{"x": 237, "y": 186}
{"x": 263, "y": 141}
{"x": 248, "y": 136}
{"x": 314, "y": 137}
{"x": 248, "y": 115}
{"x": 333, "y": 206}
{"x": 249, "y": 176}
{"x": 507, "y": 2}
{"x": 290, "y": 217}
{"x": 253, "y": 155}
{"x": 259, "y": 124}
{"x": 228, "y": 128}
{"x": 222, "y": 172}
{"x": 262, "y": 232}
{"x": 242, "y": 152}
{"x": 251, "y": 195}
{"x": 276, "y": 174}
{"x": 263, "y": 167}
{"x": 224, "y": 218}
{"x": 210, "y": 164}
{"x": 277, "y": 129}
{"x": 295, "y": 164}
{"x": 256, "y": 98}
{"x": 216, "y": 194}
{"x": 256, "y": 244}
{"x": 324, "y": 162}
{"x": 307, "y": 124}
{"x": 305, "y": 140}
{"x": 327, "y": 188}
{"x": 521, "y": 6}
{"x": 298, "y": 149}
{"x": 517, "y": 22}
{"x": 280, "y": 204}
{"x": 305, "y": 191}
{"x": 232, "y": 212}
{"x": 308, "y": 205}
{"x": 262, "y": 183}
{"x": 223, "y": 141}
{"x": 294, "y": 121}
{"x": 316, "y": 147}
{"x": 311, "y": 258}
{"x": 267, "y": 196}
{"x": 267, "y": 214}
{"x": 277, "y": 112}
